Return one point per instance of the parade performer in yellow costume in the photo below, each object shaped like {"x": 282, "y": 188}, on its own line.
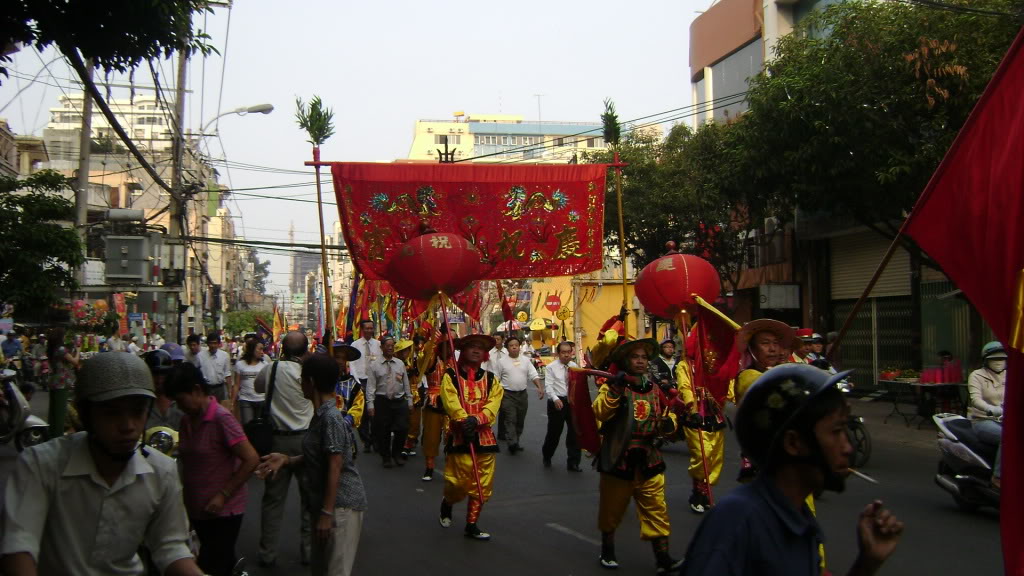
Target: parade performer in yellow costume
{"x": 633, "y": 413}
{"x": 418, "y": 384}
{"x": 434, "y": 362}
{"x": 349, "y": 391}
{"x": 764, "y": 344}
{"x": 471, "y": 397}
{"x": 709, "y": 429}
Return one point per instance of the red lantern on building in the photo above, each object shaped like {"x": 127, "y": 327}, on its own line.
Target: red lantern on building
{"x": 666, "y": 286}
{"x": 432, "y": 263}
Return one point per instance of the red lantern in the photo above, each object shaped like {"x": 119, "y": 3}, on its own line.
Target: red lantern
{"x": 432, "y": 263}
{"x": 665, "y": 286}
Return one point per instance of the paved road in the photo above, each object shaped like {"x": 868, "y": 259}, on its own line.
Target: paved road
{"x": 543, "y": 520}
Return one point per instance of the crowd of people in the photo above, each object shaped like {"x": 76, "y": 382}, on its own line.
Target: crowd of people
{"x": 395, "y": 397}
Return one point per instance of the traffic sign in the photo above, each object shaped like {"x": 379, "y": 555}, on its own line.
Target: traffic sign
{"x": 553, "y": 302}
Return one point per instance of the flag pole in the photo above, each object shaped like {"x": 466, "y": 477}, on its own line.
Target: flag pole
{"x": 611, "y": 133}
{"x": 317, "y": 121}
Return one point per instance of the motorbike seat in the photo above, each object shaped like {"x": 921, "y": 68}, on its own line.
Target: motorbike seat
{"x": 964, "y": 432}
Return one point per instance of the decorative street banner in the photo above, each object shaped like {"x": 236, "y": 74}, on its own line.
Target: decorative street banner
{"x": 526, "y": 221}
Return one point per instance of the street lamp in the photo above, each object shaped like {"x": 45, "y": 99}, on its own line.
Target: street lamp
{"x": 257, "y": 109}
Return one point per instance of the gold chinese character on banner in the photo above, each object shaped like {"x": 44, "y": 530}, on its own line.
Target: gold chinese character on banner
{"x": 508, "y": 246}
{"x": 568, "y": 243}
{"x": 375, "y": 240}
{"x": 439, "y": 242}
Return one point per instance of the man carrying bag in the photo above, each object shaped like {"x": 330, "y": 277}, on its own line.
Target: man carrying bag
{"x": 288, "y": 414}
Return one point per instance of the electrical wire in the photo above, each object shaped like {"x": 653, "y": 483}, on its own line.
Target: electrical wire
{"x": 598, "y": 129}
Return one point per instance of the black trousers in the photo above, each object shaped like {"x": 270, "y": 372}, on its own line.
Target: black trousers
{"x": 217, "y": 537}
{"x": 557, "y": 420}
{"x": 366, "y": 426}
{"x": 512, "y": 415}
{"x": 390, "y": 425}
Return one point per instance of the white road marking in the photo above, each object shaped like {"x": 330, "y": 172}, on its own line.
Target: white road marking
{"x": 570, "y": 532}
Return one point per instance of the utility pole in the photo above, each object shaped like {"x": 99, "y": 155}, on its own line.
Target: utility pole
{"x": 176, "y": 213}
{"x": 84, "y": 158}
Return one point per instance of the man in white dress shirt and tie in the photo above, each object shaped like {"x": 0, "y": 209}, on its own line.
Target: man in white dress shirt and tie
{"x": 556, "y": 387}
{"x": 370, "y": 352}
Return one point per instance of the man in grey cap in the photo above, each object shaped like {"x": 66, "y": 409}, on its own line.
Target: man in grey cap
{"x": 85, "y": 503}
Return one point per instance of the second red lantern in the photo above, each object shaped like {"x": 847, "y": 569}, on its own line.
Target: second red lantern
{"x": 666, "y": 286}
{"x": 432, "y": 263}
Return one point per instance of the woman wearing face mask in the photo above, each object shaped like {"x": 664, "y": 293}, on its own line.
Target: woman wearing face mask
{"x": 986, "y": 385}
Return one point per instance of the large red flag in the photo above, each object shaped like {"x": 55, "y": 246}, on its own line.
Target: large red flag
{"x": 970, "y": 219}
{"x": 526, "y": 221}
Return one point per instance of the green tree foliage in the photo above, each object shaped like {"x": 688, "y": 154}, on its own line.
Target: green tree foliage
{"x": 862, "y": 101}
{"x": 116, "y": 34}
{"x": 689, "y": 188}
{"x": 237, "y": 322}
{"x": 37, "y": 250}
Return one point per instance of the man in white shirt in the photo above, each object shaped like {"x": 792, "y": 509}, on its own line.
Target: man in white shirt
{"x": 556, "y": 387}
{"x": 291, "y": 414}
{"x": 193, "y": 346}
{"x": 494, "y": 355}
{"x": 515, "y": 372}
{"x": 83, "y": 504}
{"x": 388, "y": 390}
{"x": 114, "y": 343}
{"x": 216, "y": 367}
{"x": 133, "y": 346}
{"x": 370, "y": 352}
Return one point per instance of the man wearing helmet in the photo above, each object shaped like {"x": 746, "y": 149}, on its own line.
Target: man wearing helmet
{"x": 163, "y": 411}
{"x": 985, "y": 386}
{"x": 83, "y": 504}
{"x": 792, "y": 424}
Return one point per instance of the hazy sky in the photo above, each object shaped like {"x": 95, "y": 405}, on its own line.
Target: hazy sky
{"x": 381, "y": 66}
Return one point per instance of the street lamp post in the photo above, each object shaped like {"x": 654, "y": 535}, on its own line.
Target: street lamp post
{"x": 257, "y": 109}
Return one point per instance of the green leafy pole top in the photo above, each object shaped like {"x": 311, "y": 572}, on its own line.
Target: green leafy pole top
{"x": 317, "y": 120}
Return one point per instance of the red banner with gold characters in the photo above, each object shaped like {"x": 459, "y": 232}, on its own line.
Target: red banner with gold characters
{"x": 526, "y": 221}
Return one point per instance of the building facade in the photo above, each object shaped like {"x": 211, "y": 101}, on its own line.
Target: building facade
{"x": 503, "y": 138}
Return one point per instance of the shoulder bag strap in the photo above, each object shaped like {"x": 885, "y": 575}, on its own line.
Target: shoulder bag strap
{"x": 270, "y": 390}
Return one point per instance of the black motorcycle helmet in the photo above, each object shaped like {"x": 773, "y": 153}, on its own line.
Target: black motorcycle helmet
{"x": 784, "y": 398}
{"x": 159, "y": 361}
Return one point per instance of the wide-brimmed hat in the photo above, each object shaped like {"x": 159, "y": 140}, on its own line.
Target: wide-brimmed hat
{"x": 404, "y": 344}
{"x": 786, "y": 335}
{"x": 350, "y": 352}
{"x": 622, "y": 351}
{"x": 482, "y": 340}
{"x": 805, "y": 334}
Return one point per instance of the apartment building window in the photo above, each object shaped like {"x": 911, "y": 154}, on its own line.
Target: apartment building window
{"x": 485, "y": 140}
{"x": 440, "y": 139}
{"x": 590, "y": 142}
{"x": 559, "y": 141}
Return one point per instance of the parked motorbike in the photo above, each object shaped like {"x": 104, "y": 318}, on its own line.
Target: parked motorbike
{"x": 965, "y": 467}
{"x": 16, "y": 420}
{"x": 857, "y": 433}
